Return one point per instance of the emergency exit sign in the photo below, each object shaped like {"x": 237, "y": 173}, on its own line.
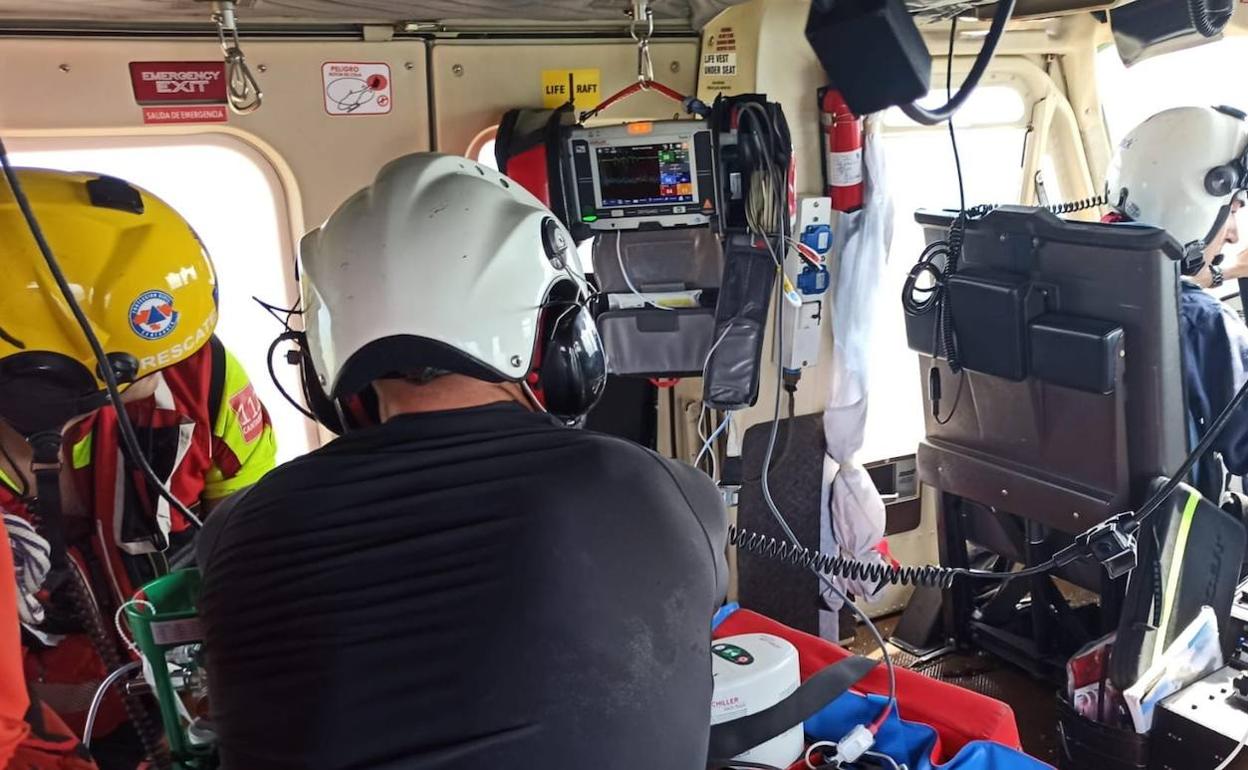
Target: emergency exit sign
{"x": 179, "y": 91}
{"x": 583, "y": 87}
{"x": 178, "y": 82}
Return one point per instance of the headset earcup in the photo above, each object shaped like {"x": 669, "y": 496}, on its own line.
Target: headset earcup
{"x": 573, "y": 370}
{"x": 41, "y": 391}
{"x": 1223, "y": 180}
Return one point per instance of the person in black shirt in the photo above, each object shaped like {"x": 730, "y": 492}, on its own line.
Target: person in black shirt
{"x": 460, "y": 580}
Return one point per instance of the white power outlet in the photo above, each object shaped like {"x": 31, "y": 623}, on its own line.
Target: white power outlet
{"x": 803, "y": 323}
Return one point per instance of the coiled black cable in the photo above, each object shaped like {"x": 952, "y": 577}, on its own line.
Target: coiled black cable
{"x": 149, "y": 731}
{"x": 1084, "y": 204}
{"x": 921, "y": 300}
{"x": 938, "y": 263}
{"x": 1068, "y": 207}
{"x": 1207, "y": 22}
{"x": 927, "y": 575}
{"x": 949, "y": 338}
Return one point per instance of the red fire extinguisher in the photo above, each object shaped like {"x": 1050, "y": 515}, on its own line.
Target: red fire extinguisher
{"x": 842, "y": 131}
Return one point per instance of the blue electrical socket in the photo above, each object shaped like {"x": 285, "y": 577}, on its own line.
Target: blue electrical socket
{"x": 813, "y": 280}
{"x": 818, "y": 238}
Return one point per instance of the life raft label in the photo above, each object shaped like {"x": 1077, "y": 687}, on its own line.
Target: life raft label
{"x": 582, "y": 87}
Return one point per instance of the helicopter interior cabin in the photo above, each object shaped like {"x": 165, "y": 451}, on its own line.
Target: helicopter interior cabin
{"x": 907, "y": 282}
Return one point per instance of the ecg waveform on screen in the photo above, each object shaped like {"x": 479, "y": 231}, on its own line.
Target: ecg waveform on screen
{"x": 630, "y": 169}
{"x": 642, "y": 174}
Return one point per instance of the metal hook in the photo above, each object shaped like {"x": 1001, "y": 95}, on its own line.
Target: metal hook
{"x": 641, "y": 10}
{"x": 242, "y": 89}
{"x": 645, "y": 67}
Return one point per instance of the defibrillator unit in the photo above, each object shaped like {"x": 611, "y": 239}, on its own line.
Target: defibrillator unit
{"x": 642, "y": 175}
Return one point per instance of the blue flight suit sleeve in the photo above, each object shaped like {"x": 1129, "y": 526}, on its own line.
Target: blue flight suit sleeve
{"x": 1215, "y": 353}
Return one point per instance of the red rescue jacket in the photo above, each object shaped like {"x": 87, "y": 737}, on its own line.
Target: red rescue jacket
{"x": 207, "y": 435}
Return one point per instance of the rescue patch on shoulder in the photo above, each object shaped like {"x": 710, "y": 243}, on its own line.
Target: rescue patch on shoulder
{"x": 250, "y": 414}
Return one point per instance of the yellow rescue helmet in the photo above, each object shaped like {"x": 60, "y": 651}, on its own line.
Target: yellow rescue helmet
{"x": 141, "y": 275}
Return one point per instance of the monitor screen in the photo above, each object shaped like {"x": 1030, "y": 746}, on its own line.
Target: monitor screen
{"x": 641, "y": 174}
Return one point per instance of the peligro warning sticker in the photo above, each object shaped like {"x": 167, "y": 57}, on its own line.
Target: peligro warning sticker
{"x": 356, "y": 88}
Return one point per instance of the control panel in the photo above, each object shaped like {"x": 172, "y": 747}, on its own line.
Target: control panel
{"x": 1202, "y": 724}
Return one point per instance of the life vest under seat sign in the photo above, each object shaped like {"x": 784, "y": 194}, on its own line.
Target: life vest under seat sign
{"x": 180, "y": 91}
{"x": 357, "y": 88}
{"x": 719, "y": 61}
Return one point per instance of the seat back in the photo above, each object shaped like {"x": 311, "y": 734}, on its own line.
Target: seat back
{"x": 1073, "y": 393}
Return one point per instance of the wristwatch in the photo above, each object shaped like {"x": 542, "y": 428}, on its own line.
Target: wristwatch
{"x": 1215, "y": 276}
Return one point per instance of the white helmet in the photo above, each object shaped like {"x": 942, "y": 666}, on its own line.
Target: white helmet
{"x": 1179, "y": 171}
{"x": 444, "y": 264}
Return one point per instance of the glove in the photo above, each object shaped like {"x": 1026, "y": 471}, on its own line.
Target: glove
{"x": 31, "y": 561}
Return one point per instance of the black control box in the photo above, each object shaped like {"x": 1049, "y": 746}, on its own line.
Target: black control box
{"x": 1199, "y": 726}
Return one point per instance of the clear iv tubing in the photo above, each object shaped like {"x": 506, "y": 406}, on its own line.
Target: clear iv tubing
{"x": 98, "y": 698}
{"x": 788, "y": 531}
{"x": 619, "y": 256}
{"x": 706, "y": 446}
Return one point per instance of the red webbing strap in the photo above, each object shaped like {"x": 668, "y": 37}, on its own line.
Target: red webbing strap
{"x": 628, "y": 91}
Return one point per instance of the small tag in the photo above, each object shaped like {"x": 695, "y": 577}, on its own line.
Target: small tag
{"x": 845, "y": 168}
{"x": 177, "y": 631}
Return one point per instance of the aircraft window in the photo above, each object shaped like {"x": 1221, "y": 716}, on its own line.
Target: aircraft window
{"x": 481, "y": 148}
{"x": 1205, "y": 75}
{"x": 485, "y": 155}
{"x": 921, "y": 175}
{"x": 987, "y": 105}
{"x": 233, "y": 204}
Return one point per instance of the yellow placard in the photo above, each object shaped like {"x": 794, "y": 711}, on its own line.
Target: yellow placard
{"x": 583, "y": 87}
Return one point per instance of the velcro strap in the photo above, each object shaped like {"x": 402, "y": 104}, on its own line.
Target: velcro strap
{"x": 51, "y": 515}
{"x": 729, "y": 739}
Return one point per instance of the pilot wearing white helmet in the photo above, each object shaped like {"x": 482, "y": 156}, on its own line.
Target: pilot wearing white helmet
{"x": 1185, "y": 170}
{"x": 460, "y": 580}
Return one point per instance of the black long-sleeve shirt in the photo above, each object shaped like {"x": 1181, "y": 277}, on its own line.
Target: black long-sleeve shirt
{"x": 466, "y": 589}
